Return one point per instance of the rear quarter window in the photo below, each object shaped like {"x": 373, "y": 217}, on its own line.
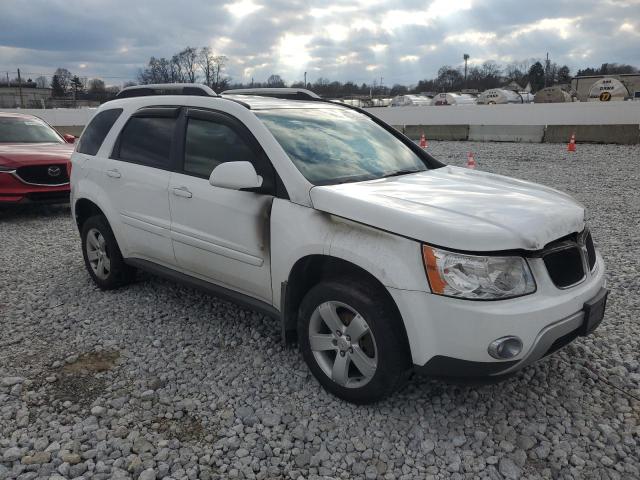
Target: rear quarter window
{"x": 97, "y": 130}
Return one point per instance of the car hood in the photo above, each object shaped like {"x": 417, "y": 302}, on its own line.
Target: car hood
{"x": 457, "y": 208}
{"x": 21, "y": 154}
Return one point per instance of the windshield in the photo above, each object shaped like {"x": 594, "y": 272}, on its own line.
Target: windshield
{"x": 337, "y": 145}
{"x": 26, "y": 130}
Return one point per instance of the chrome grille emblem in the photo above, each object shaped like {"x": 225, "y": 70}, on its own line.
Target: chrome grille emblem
{"x": 54, "y": 171}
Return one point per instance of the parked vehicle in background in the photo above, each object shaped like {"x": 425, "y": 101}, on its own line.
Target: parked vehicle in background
{"x": 34, "y": 161}
{"x": 376, "y": 258}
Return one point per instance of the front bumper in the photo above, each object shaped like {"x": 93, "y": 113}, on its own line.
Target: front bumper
{"x": 15, "y": 192}
{"x": 550, "y": 339}
{"x": 452, "y": 328}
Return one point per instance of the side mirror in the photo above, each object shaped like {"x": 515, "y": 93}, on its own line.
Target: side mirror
{"x": 235, "y": 176}
{"x": 69, "y": 138}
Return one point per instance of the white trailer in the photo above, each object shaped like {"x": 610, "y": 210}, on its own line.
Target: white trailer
{"x": 608, "y": 90}
{"x": 453, "y": 99}
{"x": 499, "y": 96}
{"x": 410, "y": 101}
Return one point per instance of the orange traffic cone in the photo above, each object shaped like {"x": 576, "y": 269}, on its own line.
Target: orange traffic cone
{"x": 571, "y": 147}
{"x": 471, "y": 161}
{"x": 423, "y": 141}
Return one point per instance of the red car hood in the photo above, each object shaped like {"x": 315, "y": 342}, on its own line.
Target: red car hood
{"x": 21, "y": 154}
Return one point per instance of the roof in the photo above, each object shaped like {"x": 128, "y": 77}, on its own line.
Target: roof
{"x": 290, "y": 93}
{"x": 255, "y": 102}
{"x": 195, "y": 89}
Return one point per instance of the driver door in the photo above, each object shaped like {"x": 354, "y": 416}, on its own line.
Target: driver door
{"x": 220, "y": 234}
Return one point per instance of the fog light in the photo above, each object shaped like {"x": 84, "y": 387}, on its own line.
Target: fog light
{"x": 505, "y": 347}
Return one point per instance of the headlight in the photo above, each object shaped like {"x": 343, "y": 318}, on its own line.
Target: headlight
{"x": 476, "y": 277}
{"x": 6, "y": 169}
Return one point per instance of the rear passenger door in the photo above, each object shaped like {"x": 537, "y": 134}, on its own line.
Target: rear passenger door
{"x": 221, "y": 234}
{"x": 137, "y": 176}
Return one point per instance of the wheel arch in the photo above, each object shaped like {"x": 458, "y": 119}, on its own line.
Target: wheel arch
{"x": 312, "y": 269}
{"x": 84, "y": 209}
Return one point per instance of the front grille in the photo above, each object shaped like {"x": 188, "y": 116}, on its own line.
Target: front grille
{"x": 564, "y": 265}
{"x": 55, "y": 174}
{"x": 591, "y": 250}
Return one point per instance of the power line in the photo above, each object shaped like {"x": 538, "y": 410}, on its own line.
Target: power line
{"x": 83, "y": 74}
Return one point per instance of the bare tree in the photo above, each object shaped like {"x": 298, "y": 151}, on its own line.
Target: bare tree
{"x": 96, "y": 86}
{"x": 187, "y": 62}
{"x": 275, "y": 81}
{"x": 206, "y": 63}
{"x": 157, "y": 71}
{"x": 61, "y": 82}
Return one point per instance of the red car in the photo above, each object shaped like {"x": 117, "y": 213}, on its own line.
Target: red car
{"x": 34, "y": 161}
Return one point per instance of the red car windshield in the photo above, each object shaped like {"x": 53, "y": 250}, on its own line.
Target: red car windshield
{"x": 27, "y": 130}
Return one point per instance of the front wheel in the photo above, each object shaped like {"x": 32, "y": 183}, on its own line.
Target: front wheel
{"x": 353, "y": 340}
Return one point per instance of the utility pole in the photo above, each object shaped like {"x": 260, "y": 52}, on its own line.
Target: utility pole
{"x": 20, "y": 89}
{"x": 305, "y": 79}
{"x": 466, "y": 59}
{"x": 546, "y": 70}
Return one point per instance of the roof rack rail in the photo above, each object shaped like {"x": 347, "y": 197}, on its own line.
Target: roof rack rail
{"x": 195, "y": 89}
{"x": 284, "y": 93}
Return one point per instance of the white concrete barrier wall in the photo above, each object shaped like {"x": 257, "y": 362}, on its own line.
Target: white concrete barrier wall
{"x": 577, "y": 113}
{"x": 59, "y": 116}
{"x": 506, "y": 133}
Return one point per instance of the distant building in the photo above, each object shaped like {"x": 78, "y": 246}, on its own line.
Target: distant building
{"x": 32, "y": 97}
{"x": 582, "y": 85}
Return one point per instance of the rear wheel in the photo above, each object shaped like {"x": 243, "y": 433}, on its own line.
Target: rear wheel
{"x": 353, "y": 341}
{"x": 102, "y": 256}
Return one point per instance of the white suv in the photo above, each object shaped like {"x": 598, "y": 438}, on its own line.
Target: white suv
{"x": 376, "y": 258}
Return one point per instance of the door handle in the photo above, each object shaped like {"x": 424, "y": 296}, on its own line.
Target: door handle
{"x": 182, "y": 192}
{"x": 114, "y": 173}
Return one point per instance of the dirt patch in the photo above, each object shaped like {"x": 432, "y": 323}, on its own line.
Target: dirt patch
{"x": 93, "y": 362}
{"x": 79, "y": 383}
{"x": 185, "y": 429}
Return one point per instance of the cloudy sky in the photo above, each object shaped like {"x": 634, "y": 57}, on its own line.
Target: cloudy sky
{"x": 360, "y": 40}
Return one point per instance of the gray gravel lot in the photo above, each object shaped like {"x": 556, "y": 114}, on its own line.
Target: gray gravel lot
{"x": 158, "y": 381}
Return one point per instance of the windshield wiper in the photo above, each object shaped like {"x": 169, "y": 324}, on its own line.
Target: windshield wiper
{"x": 397, "y": 173}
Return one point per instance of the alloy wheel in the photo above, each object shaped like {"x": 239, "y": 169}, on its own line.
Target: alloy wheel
{"x": 343, "y": 344}
{"x": 97, "y": 254}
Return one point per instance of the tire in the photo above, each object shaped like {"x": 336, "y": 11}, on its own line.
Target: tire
{"x": 363, "y": 370}
{"x": 102, "y": 257}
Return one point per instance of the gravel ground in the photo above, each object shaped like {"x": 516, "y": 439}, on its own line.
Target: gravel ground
{"x": 158, "y": 381}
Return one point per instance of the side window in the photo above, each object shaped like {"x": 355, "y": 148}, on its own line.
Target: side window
{"x": 147, "y": 140}
{"x": 97, "y": 130}
{"x": 209, "y": 143}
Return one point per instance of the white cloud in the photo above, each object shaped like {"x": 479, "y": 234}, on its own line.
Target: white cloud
{"x": 563, "y": 27}
{"x": 379, "y": 47}
{"x": 336, "y": 32}
{"x": 292, "y": 50}
{"x": 471, "y": 38}
{"x": 628, "y": 27}
{"x": 409, "y": 58}
{"x": 242, "y": 8}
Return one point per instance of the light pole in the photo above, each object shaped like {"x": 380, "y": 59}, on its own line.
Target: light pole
{"x": 305, "y": 79}
{"x": 466, "y": 59}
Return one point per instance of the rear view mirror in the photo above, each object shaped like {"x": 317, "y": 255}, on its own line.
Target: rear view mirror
{"x": 235, "y": 176}
{"x": 69, "y": 138}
